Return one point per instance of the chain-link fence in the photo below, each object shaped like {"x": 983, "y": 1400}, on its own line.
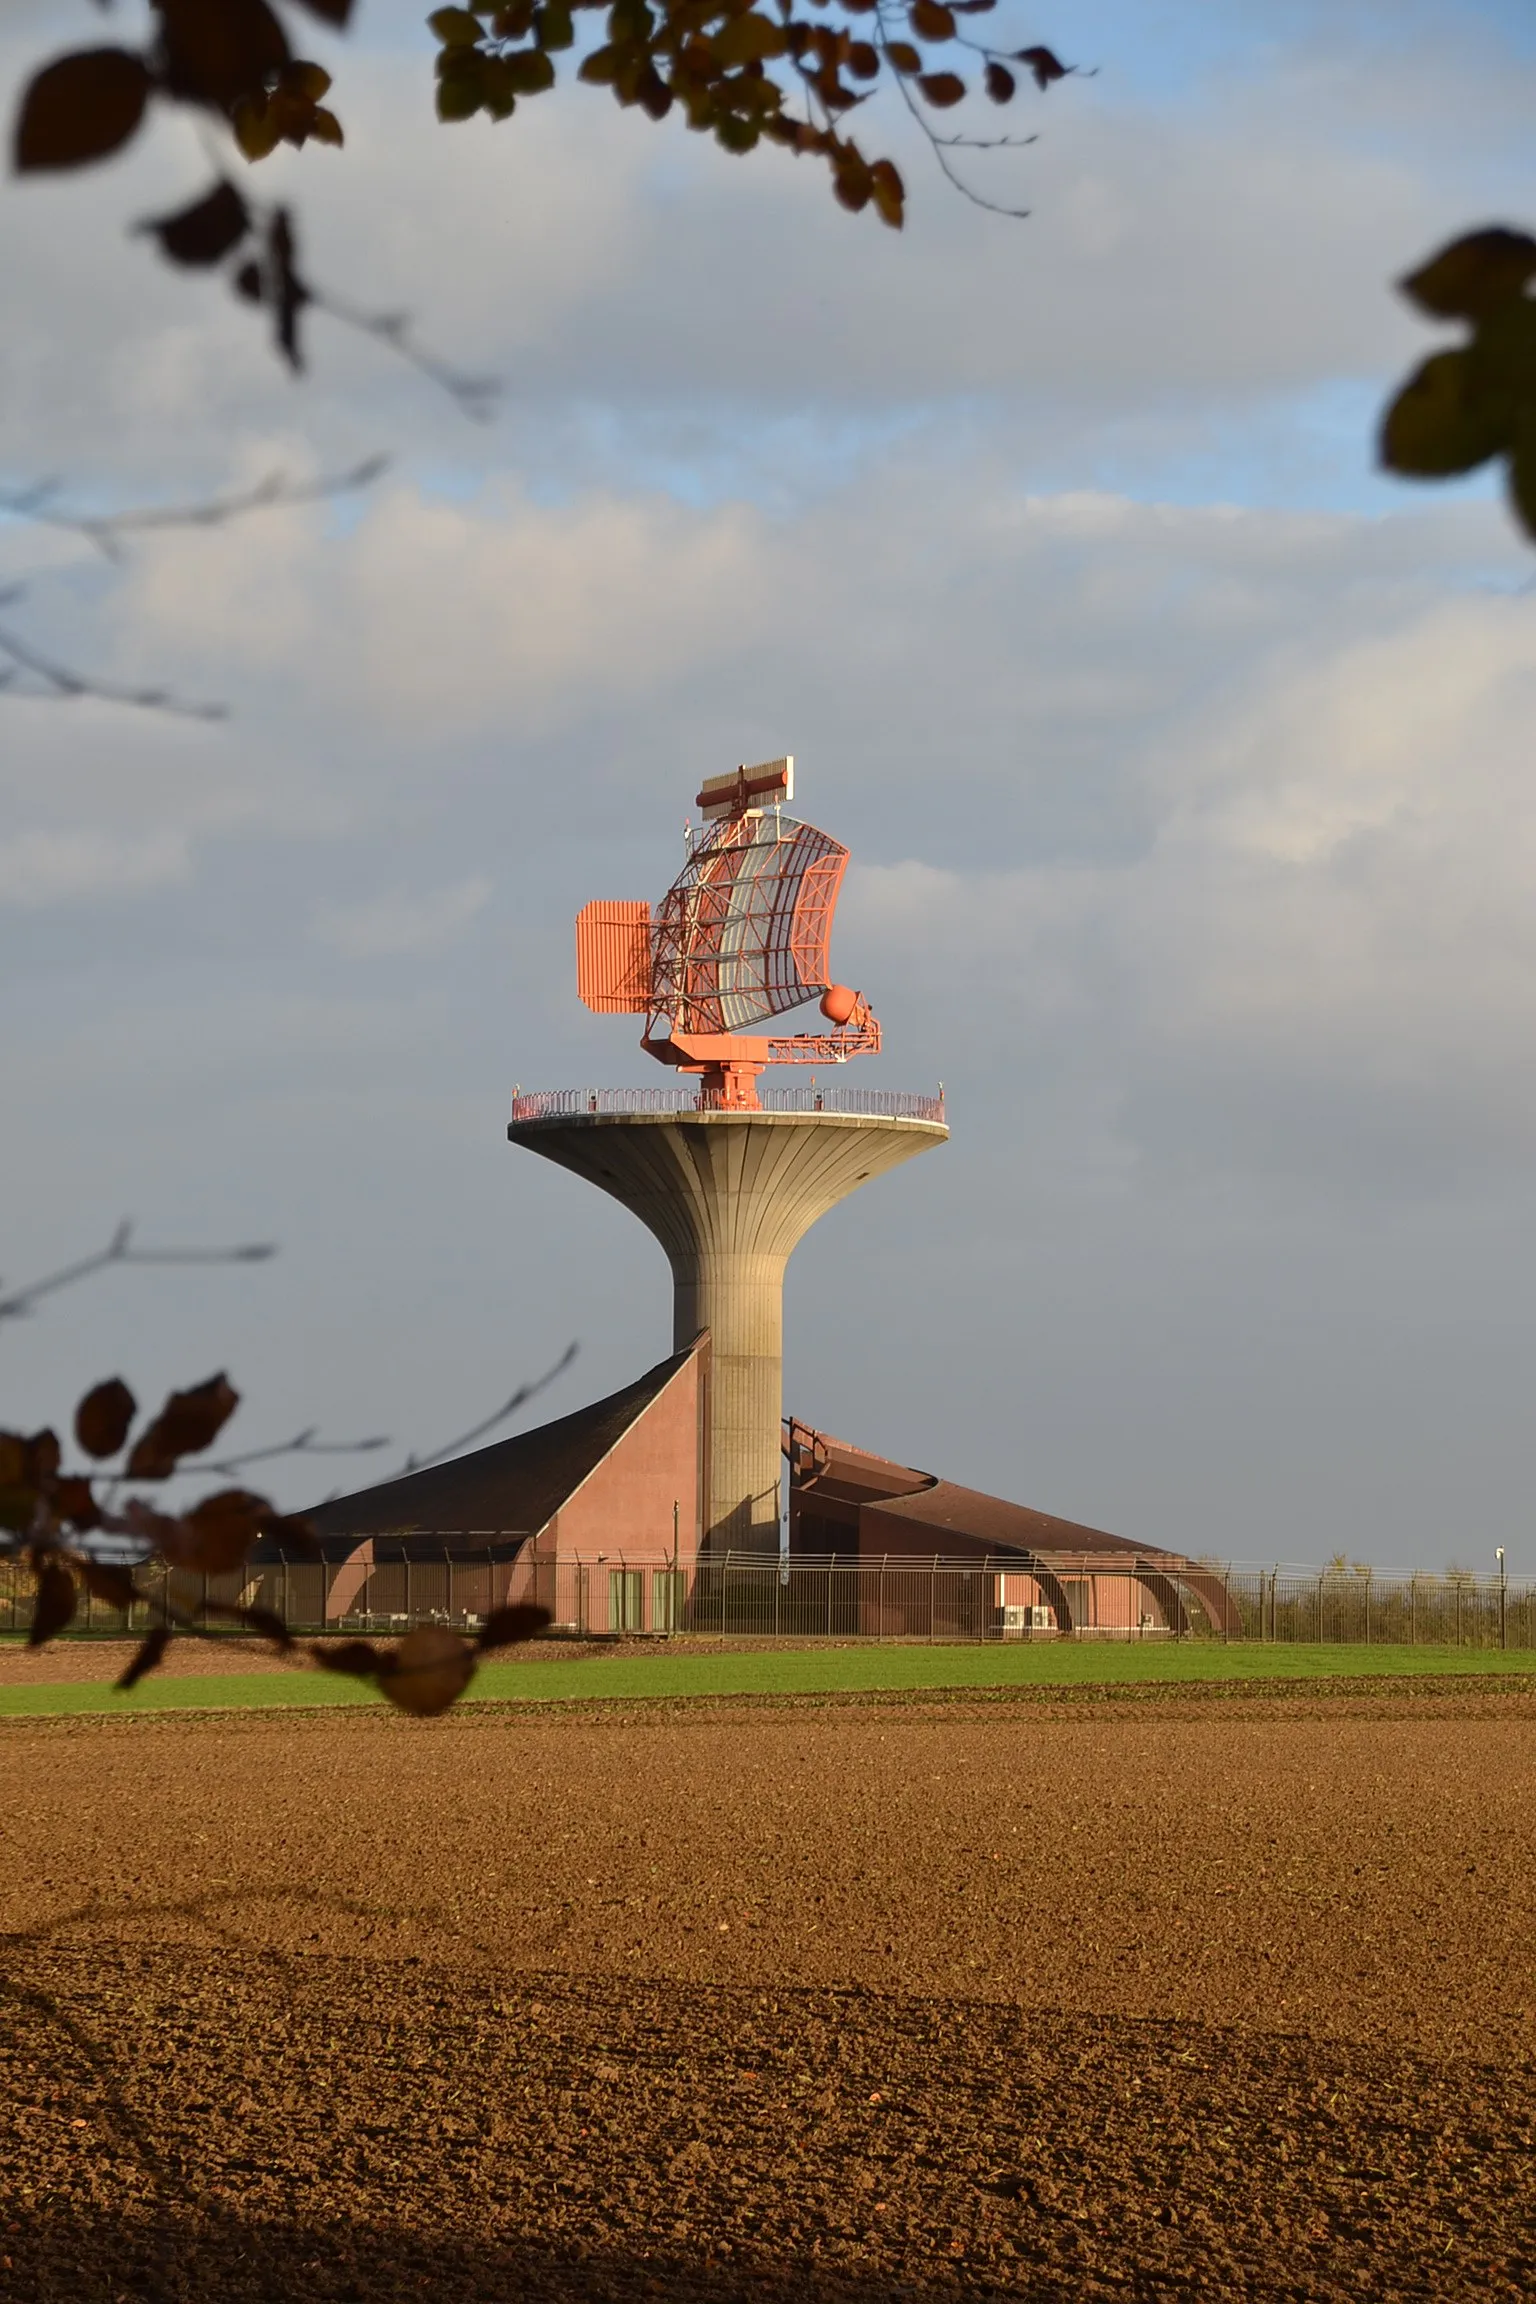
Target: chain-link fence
{"x": 851, "y": 1599}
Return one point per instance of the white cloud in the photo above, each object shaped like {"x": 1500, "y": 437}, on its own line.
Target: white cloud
{"x": 401, "y": 923}
{"x": 42, "y": 867}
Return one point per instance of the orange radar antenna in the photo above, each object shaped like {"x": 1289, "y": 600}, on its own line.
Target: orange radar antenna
{"x": 742, "y": 934}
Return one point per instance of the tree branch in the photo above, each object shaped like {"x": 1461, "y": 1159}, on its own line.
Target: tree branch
{"x": 120, "y": 1250}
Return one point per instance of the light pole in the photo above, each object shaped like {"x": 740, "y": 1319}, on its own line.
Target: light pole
{"x": 1503, "y": 1591}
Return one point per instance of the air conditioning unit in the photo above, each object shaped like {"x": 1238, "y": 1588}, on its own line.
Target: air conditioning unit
{"x": 1039, "y": 1618}
{"x": 1016, "y": 1619}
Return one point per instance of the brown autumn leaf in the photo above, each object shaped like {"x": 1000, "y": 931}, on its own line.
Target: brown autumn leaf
{"x": 43, "y": 1456}
{"x": 104, "y": 1580}
{"x": 941, "y": 89}
{"x": 268, "y": 1623}
{"x": 331, "y": 11}
{"x": 931, "y": 20}
{"x": 54, "y": 1606}
{"x": 80, "y": 108}
{"x": 215, "y": 55}
{"x": 428, "y": 1671}
{"x": 202, "y": 234}
{"x": 360, "y": 1658}
{"x": 506, "y": 1627}
{"x": 1522, "y": 476}
{"x": 888, "y": 192}
{"x": 1474, "y": 274}
{"x": 1001, "y": 84}
{"x": 216, "y": 1534}
{"x": 148, "y": 1654}
{"x": 74, "y": 1502}
{"x": 1439, "y": 426}
{"x": 189, "y": 1422}
{"x": 104, "y": 1417}
{"x": 1045, "y": 66}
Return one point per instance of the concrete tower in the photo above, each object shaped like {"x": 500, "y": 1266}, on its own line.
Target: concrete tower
{"x": 729, "y": 1194}
{"x": 727, "y": 1185}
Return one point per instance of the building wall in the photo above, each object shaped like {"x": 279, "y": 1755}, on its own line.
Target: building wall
{"x": 620, "y": 1522}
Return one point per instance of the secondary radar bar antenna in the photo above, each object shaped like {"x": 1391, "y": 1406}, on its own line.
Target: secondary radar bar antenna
{"x": 742, "y": 935}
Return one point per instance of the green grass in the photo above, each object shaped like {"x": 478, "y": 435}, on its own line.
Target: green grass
{"x": 671, "y": 1672}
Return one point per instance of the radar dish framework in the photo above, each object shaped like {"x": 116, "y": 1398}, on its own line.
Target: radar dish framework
{"x": 743, "y": 934}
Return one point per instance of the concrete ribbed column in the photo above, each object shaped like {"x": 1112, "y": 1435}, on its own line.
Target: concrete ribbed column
{"x": 728, "y": 1195}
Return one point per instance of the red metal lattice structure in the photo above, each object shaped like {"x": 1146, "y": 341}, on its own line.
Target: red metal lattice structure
{"x": 743, "y": 934}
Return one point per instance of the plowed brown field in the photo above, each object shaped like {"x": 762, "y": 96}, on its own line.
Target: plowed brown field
{"x": 1215, "y": 1994}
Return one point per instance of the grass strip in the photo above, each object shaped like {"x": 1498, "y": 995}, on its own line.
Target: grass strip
{"x": 673, "y": 1672}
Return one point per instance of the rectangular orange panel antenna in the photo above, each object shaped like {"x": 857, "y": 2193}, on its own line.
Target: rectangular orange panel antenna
{"x": 764, "y": 786}
{"x": 613, "y": 958}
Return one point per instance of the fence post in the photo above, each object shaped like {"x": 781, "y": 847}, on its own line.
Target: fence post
{"x": 1320, "y": 1611}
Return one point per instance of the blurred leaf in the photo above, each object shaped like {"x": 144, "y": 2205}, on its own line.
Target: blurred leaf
{"x": 104, "y": 1581}
{"x": 215, "y": 54}
{"x": 218, "y": 1532}
{"x": 1437, "y": 427}
{"x": 904, "y": 57}
{"x": 556, "y": 27}
{"x": 1522, "y": 477}
{"x": 749, "y": 39}
{"x": 1001, "y": 84}
{"x": 15, "y": 1459}
{"x": 80, "y": 109}
{"x": 148, "y": 1655}
{"x": 1043, "y": 64}
{"x": 189, "y": 1422}
{"x": 54, "y": 1606}
{"x": 942, "y": 89}
{"x": 269, "y": 1624}
{"x": 43, "y": 1455}
{"x": 331, "y": 11}
{"x": 202, "y": 234}
{"x": 360, "y": 1658}
{"x": 528, "y": 73}
{"x": 456, "y": 27}
{"x": 309, "y": 81}
{"x": 507, "y": 1627}
{"x": 888, "y": 193}
{"x": 74, "y": 1503}
{"x": 428, "y": 1671}
{"x": 105, "y": 1416}
{"x": 931, "y": 20}
{"x": 1473, "y": 274}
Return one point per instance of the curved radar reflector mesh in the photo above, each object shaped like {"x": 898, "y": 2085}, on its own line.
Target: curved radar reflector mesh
{"x": 743, "y": 932}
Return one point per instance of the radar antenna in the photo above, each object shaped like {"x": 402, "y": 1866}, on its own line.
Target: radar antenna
{"x": 742, "y": 935}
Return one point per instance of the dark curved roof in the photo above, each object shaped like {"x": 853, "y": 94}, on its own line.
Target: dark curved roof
{"x": 512, "y": 1489}
{"x": 950, "y": 1510}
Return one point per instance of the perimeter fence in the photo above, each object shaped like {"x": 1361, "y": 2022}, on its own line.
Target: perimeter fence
{"x": 895, "y": 1599}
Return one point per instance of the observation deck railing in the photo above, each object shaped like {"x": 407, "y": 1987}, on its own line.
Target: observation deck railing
{"x": 848, "y": 1103}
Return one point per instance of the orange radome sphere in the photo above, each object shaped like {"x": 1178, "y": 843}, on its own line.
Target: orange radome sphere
{"x": 838, "y": 1003}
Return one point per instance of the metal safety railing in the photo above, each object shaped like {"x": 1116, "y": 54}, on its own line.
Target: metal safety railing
{"x": 807, "y": 1097}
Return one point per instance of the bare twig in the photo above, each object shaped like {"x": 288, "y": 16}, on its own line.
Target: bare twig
{"x": 59, "y": 684}
{"x": 476, "y": 397}
{"x": 104, "y": 529}
{"x": 120, "y": 1250}
{"x": 519, "y": 1399}
{"x": 302, "y": 1444}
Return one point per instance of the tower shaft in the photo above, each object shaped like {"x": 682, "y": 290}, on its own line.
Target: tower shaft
{"x": 728, "y": 1195}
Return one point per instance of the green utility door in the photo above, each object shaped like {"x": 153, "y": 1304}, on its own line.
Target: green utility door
{"x": 668, "y": 1588}
{"x": 626, "y": 1600}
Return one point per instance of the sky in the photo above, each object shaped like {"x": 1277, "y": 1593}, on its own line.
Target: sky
{"x": 1184, "y": 760}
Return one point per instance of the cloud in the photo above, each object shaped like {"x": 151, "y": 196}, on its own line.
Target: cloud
{"x": 52, "y": 867}
{"x": 402, "y": 923}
